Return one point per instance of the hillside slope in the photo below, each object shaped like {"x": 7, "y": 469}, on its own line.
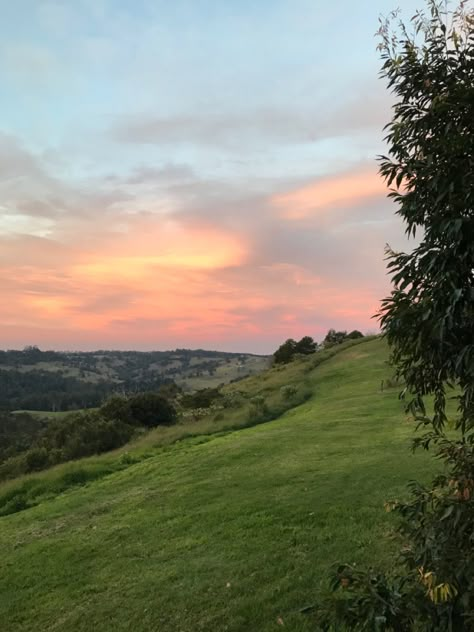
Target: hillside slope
{"x": 230, "y": 532}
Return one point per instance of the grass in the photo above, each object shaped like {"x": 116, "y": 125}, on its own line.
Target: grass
{"x": 226, "y": 532}
{"x": 226, "y": 372}
{"x": 49, "y": 414}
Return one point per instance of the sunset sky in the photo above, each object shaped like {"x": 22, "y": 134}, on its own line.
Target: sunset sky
{"x": 195, "y": 173}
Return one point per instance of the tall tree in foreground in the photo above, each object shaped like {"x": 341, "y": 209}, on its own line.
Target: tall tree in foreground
{"x": 429, "y": 323}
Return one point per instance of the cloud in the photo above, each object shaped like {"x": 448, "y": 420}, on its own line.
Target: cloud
{"x": 238, "y": 127}
{"x": 29, "y": 65}
{"x": 166, "y": 174}
{"x": 35, "y": 202}
{"x": 353, "y": 188}
{"x": 210, "y": 264}
{"x": 214, "y": 129}
{"x": 213, "y": 193}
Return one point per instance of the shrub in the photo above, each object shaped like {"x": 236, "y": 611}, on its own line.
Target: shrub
{"x": 232, "y": 399}
{"x": 258, "y": 408}
{"x": 288, "y": 391}
{"x": 117, "y": 408}
{"x": 36, "y": 459}
{"x": 82, "y": 434}
{"x": 334, "y": 337}
{"x": 353, "y": 335}
{"x": 202, "y": 398}
{"x": 152, "y": 409}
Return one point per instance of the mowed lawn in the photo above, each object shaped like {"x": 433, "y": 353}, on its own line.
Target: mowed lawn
{"x": 228, "y": 533}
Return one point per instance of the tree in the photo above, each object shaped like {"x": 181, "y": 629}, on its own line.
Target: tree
{"x": 334, "y": 337}
{"x": 354, "y": 335}
{"x": 428, "y": 320}
{"x": 285, "y": 352}
{"x": 306, "y": 346}
{"x": 152, "y": 409}
{"x": 117, "y": 408}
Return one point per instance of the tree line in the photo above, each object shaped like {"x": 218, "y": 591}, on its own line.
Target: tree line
{"x": 29, "y": 443}
{"x": 291, "y": 348}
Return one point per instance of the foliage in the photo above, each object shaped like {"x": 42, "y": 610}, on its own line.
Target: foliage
{"x": 429, "y": 322}
{"x": 306, "y": 345}
{"x": 354, "y": 335}
{"x": 429, "y": 316}
{"x": 48, "y": 390}
{"x": 258, "y": 407}
{"x": 288, "y": 391}
{"x": 232, "y": 399}
{"x": 117, "y": 408}
{"x": 202, "y": 398}
{"x": 290, "y": 348}
{"x": 82, "y": 434}
{"x": 152, "y": 409}
{"x": 334, "y": 337}
{"x": 29, "y": 444}
{"x": 72, "y": 436}
{"x": 436, "y": 591}
{"x": 17, "y": 432}
{"x": 285, "y": 352}
{"x": 144, "y": 409}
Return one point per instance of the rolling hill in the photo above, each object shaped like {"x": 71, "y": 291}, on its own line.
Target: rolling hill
{"x": 32, "y": 379}
{"x": 216, "y": 529}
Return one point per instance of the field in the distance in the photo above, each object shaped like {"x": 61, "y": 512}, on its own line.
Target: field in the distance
{"x": 231, "y": 532}
{"x": 52, "y": 381}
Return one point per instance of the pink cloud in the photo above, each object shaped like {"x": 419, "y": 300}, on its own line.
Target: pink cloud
{"x": 197, "y": 269}
{"x": 327, "y": 193}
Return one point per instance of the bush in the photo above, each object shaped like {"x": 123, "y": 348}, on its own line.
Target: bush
{"x": 258, "y": 409}
{"x": 232, "y": 399}
{"x": 334, "y": 337}
{"x": 353, "y": 335}
{"x": 288, "y": 391}
{"x": 117, "y": 408}
{"x": 83, "y": 434}
{"x": 152, "y": 409}
{"x": 202, "y": 398}
{"x": 36, "y": 459}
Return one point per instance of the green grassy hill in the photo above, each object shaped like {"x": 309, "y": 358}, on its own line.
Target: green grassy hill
{"x": 231, "y": 531}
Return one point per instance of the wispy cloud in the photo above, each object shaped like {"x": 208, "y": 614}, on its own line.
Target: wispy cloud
{"x": 352, "y": 188}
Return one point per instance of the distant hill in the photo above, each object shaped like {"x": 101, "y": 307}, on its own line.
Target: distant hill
{"x": 32, "y": 379}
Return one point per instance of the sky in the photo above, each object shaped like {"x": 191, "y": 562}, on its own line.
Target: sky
{"x": 195, "y": 173}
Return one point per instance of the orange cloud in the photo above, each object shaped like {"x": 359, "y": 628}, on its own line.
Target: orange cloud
{"x": 139, "y": 254}
{"x": 328, "y": 193}
{"x": 153, "y": 280}
{"x": 156, "y": 271}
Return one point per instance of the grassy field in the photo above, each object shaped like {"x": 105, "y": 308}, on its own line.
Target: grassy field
{"x": 227, "y": 371}
{"x": 232, "y": 531}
